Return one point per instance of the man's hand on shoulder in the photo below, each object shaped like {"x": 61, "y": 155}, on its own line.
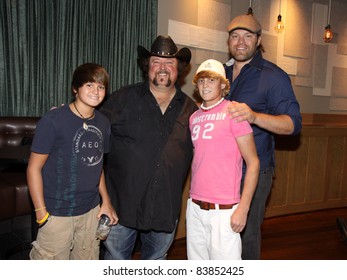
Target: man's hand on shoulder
{"x": 241, "y": 112}
{"x": 55, "y": 107}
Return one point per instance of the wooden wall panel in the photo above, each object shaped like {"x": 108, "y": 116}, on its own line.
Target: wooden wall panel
{"x": 279, "y": 189}
{"x": 313, "y": 175}
{"x": 299, "y": 177}
{"x": 335, "y": 162}
{"x": 316, "y": 167}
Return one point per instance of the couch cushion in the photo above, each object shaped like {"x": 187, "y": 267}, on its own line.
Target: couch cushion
{"x": 7, "y": 201}
{"x": 21, "y": 199}
{"x": 17, "y": 131}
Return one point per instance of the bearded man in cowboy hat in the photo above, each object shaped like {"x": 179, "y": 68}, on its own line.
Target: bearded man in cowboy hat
{"x": 151, "y": 151}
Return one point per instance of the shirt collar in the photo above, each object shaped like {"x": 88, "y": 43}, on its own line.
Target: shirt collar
{"x": 178, "y": 96}
{"x": 257, "y": 61}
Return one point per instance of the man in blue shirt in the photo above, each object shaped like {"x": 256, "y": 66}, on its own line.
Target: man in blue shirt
{"x": 263, "y": 95}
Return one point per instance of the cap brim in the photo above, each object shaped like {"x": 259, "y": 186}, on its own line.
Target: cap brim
{"x": 244, "y": 28}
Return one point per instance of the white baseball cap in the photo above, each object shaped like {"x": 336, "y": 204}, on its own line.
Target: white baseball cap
{"x": 212, "y": 65}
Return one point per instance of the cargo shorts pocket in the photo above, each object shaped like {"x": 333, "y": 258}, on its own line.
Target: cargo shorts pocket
{"x": 37, "y": 253}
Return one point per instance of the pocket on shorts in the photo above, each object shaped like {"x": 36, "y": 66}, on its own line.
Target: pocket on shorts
{"x": 37, "y": 253}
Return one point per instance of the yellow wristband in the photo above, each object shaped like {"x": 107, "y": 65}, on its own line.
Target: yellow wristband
{"x": 38, "y": 209}
{"x": 43, "y": 219}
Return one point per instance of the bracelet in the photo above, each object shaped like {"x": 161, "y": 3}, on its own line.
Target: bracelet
{"x": 45, "y": 222}
{"x": 43, "y": 219}
{"x": 38, "y": 209}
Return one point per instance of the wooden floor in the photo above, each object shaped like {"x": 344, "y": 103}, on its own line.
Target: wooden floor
{"x": 309, "y": 236}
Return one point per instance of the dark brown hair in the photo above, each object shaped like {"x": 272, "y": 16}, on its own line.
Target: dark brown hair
{"x": 89, "y": 72}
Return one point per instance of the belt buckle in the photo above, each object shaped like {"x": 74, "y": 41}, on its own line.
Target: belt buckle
{"x": 205, "y": 205}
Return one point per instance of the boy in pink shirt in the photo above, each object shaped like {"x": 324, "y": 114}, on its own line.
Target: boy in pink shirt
{"x": 216, "y": 211}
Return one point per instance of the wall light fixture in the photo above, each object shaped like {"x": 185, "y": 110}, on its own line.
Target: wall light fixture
{"x": 279, "y": 24}
{"x": 328, "y": 34}
{"x": 250, "y": 10}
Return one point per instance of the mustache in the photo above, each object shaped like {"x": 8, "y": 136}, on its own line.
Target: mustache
{"x": 163, "y": 71}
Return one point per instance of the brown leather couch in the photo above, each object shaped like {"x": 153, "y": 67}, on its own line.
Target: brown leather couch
{"x": 16, "y": 134}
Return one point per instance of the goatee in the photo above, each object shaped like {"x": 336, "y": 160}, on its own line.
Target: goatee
{"x": 168, "y": 84}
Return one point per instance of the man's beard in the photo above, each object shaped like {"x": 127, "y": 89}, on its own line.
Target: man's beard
{"x": 155, "y": 80}
{"x": 243, "y": 58}
{"x": 168, "y": 84}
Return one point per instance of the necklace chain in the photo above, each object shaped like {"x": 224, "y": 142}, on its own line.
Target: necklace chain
{"x": 212, "y": 106}
{"x": 81, "y": 114}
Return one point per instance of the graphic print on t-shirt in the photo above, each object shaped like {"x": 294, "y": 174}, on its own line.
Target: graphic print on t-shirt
{"x": 205, "y": 129}
{"x": 88, "y": 145}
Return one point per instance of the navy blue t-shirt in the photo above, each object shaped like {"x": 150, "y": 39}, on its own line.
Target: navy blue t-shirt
{"x": 72, "y": 171}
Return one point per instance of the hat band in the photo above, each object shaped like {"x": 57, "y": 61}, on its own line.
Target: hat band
{"x": 163, "y": 53}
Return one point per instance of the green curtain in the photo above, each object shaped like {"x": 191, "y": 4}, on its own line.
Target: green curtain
{"x": 43, "y": 41}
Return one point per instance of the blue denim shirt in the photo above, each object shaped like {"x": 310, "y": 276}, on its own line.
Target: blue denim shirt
{"x": 267, "y": 89}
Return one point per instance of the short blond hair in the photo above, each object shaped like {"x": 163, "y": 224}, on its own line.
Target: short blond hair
{"x": 213, "y": 75}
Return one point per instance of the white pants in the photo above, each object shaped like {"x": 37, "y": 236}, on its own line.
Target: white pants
{"x": 209, "y": 234}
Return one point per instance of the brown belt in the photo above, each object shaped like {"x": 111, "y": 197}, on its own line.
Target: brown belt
{"x": 211, "y": 206}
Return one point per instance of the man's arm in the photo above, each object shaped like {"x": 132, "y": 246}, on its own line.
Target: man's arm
{"x": 281, "y": 124}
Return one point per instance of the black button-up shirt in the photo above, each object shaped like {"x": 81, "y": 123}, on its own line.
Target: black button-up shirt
{"x": 150, "y": 156}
